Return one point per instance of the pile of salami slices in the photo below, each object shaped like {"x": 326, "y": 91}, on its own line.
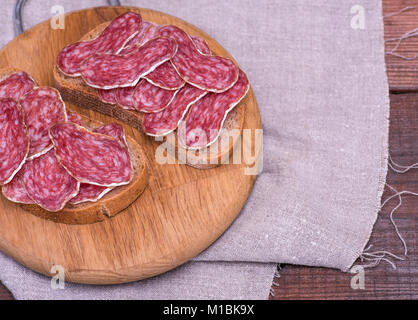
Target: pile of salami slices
{"x": 161, "y": 71}
{"x": 47, "y": 157}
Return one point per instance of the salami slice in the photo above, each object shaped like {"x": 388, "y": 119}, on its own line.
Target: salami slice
{"x": 124, "y": 97}
{"x": 47, "y": 182}
{"x": 14, "y": 141}
{"x": 204, "y": 121}
{"x": 165, "y": 77}
{"x": 150, "y": 33}
{"x": 166, "y": 121}
{"x": 139, "y": 38}
{"x": 107, "y": 96}
{"x": 120, "y": 31}
{"x": 91, "y": 157}
{"x": 43, "y": 107}
{"x": 15, "y": 190}
{"x": 90, "y": 192}
{"x": 210, "y": 73}
{"x": 16, "y": 85}
{"x": 113, "y": 130}
{"x": 108, "y": 71}
{"x": 149, "y": 98}
{"x": 75, "y": 118}
{"x": 201, "y": 45}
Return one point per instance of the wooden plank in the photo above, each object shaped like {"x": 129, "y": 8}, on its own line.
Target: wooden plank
{"x": 402, "y": 74}
{"x": 5, "y": 294}
{"x": 382, "y": 282}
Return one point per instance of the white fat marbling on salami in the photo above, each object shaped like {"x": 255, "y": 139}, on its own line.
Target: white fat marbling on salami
{"x": 165, "y": 77}
{"x": 113, "y": 130}
{"x": 91, "y": 157}
{"x": 14, "y": 141}
{"x": 119, "y": 96}
{"x": 75, "y": 118}
{"x": 204, "y": 120}
{"x": 120, "y": 31}
{"x": 107, "y": 96}
{"x": 124, "y": 97}
{"x": 16, "y": 85}
{"x": 140, "y": 36}
{"x": 15, "y": 191}
{"x": 108, "y": 71}
{"x": 149, "y": 98}
{"x": 211, "y": 73}
{"x": 201, "y": 45}
{"x": 42, "y": 107}
{"x": 166, "y": 121}
{"x": 48, "y": 183}
{"x": 90, "y": 192}
{"x": 150, "y": 33}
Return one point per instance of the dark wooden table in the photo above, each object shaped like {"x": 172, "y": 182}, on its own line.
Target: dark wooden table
{"x": 381, "y": 282}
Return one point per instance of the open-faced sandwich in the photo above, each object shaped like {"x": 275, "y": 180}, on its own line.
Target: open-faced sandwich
{"x": 59, "y": 165}
{"x": 160, "y": 80}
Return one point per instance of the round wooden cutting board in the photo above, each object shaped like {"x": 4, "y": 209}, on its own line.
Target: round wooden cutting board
{"x": 182, "y": 211}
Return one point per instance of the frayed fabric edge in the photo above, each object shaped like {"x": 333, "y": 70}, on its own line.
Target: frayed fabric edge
{"x": 381, "y": 188}
{"x": 383, "y": 169}
{"x": 274, "y": 282}
{"x": 373, "y": 259}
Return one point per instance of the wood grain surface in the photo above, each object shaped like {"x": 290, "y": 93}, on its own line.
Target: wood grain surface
{"x": 5, "y": 294}
{"x": 382, "y": 282}
{"x": 402, "y": 73}
{"x": 181, "y": 213}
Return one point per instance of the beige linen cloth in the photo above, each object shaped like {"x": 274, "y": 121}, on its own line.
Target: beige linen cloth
{"x": 322, "y": 90}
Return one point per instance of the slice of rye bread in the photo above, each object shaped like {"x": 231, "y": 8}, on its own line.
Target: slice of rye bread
{"x": 112, "y": 203}
{"x": 74, "y": 90}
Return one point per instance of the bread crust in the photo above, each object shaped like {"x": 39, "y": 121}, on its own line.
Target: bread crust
{"x": 77, "y": 92}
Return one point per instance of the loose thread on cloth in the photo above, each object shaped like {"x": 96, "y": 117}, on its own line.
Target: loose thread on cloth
{"x": 398, "y": 194}
{"x": 378, "y": 256}
{"x": 406, "y": 35}
{"x": 399, "y": 12}
{"x": 374, "y": 258}
{"x": 275, "y": 283}
{"x": 400, "y": 168}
